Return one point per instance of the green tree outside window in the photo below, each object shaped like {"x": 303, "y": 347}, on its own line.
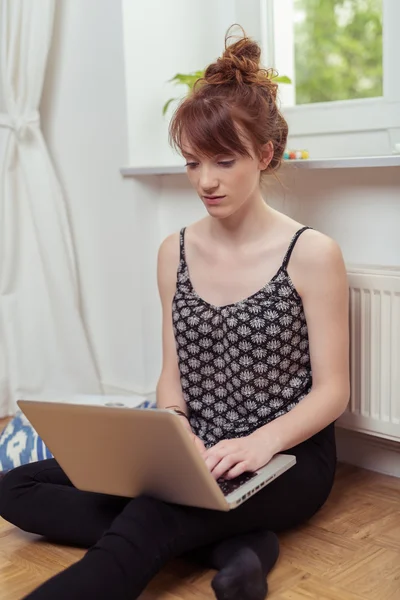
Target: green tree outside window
{"x": 338, "y": 50}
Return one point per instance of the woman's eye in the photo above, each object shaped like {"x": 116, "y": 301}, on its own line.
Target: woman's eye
{"x": 221, "y": 163}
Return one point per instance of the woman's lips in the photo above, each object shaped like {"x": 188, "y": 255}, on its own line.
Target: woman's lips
{"x": 213, "y": 200}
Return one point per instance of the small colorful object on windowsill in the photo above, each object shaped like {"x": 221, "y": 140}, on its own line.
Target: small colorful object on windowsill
{"x": 296, "y": 154}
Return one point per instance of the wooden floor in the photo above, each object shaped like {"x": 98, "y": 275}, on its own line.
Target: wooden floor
{"x": 349, "y": 551}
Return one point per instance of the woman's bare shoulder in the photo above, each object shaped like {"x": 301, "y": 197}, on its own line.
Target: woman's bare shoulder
{"x": 317, "y": 262}
{"x": 169, "y": 248}
{"x": 315, "y": 248}
{"x": 167, "y": 265}
{"x": 311, "y": 245}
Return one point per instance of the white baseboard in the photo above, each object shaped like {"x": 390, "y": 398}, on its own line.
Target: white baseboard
{"x": 369, "y": 452}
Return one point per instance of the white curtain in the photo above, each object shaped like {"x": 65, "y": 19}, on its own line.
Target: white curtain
{"x": 44, "y": 348}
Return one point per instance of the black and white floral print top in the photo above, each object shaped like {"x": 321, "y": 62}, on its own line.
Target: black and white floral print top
{"x": 243, "y": 364}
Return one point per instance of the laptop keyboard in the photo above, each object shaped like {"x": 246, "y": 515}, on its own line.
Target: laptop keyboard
{"x": 230, "y": 485}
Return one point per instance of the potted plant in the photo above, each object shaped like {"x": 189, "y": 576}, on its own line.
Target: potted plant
{"x": 190, "y": 79}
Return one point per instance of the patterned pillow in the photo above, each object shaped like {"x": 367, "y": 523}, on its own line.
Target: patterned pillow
{"x": 20, "y": 444}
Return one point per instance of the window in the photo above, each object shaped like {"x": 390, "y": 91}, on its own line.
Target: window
{"x": 337, "y": 50}
{"x": 341, "y": 57}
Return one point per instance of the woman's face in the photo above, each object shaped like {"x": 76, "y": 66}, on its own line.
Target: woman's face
{"x": 225, "y": 183}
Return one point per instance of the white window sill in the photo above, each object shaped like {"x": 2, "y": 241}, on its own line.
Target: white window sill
{"x": 360, "y": 162}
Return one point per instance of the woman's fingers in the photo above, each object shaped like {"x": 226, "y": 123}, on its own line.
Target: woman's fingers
{"x": 224, "y": 465}
{"x": 211, "y": 461}
{"x": 215, "y": 455}
{"x": 238, "y": 469}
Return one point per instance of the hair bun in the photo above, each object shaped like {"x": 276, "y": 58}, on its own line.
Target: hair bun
{"x": 231, "y": 106}
{"x": 240, "y": 64}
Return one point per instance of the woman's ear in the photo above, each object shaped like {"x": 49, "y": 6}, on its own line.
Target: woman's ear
{"x": 267, "y": 154}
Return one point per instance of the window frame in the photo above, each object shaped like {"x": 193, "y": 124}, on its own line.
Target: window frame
{"x": 344, "y": 116}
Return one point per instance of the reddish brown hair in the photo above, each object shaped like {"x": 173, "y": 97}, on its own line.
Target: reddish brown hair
{"x": 235, "y": 99}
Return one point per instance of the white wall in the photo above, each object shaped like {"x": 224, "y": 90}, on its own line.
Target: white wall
{"x": 84, "y": 121}
{"x": 360, "y": 208}
{"x": 161, "y": 39}
{"x": 118, "y": 224}
{"x": 115, "y": 222}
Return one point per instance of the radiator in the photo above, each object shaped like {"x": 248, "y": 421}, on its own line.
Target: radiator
{"x": 374, "y": 405}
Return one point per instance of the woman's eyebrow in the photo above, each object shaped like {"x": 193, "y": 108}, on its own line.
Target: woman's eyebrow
{"x": 186, "y": 153}
{"x": 215, "y": 156}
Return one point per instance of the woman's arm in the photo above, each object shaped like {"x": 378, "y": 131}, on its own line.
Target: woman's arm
{"x": 317, "y": 269}
{"x": 169, "y": 390}
{"x": 318, "y": 272}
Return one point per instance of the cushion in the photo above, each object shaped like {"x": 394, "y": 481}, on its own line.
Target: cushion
{"x": 20, "y": 444}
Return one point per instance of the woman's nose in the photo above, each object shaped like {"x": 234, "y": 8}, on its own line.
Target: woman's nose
{"x": 208, "y": 179}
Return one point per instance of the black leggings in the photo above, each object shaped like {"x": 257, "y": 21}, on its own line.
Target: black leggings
{"x": 131, "y": 539}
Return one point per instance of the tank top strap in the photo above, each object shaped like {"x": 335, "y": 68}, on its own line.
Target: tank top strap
{"x": 182, "y": 244}
{"x": 292, "y": 245}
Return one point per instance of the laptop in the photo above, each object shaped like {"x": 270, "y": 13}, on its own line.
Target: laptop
{"x": 113, "y": 446}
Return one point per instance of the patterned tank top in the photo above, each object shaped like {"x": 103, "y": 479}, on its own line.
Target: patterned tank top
{"x": 244, "y": 364}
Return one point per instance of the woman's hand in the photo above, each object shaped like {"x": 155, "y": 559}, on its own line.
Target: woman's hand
{"x": 231, "y": 458}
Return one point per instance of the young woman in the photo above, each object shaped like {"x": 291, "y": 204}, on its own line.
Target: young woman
{"x": 255, "y": 360}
